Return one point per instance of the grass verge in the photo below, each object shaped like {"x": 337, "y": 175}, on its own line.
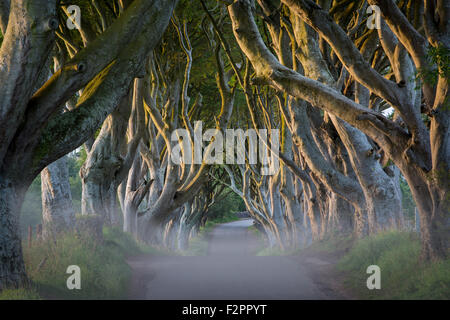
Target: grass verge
{"x": 104, "y": 271}
{"x": 403, "y": 276}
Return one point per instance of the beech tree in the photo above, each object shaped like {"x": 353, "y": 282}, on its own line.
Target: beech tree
{"x": 419, "y": 153}
{"x": 326, "y": 212}
{"x": 167, "y": 102}
{"x": 33, "y": 130}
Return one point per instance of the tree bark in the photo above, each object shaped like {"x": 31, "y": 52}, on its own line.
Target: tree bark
{"x": 12, "y": 267}
{"x": 57, "y": 208}
{"x": 33, "y": 131}
{"x": 106, "y": 166}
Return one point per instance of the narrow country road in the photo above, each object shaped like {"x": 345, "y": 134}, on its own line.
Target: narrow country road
{"x": 229, "y": 271}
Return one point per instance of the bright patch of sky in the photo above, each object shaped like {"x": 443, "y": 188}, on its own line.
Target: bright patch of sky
{"x": 388, "y": 112}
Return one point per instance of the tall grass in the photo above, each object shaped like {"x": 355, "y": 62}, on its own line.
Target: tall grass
{"x": 403, "y": 275}
{"x": 20, "y": 294}
{"x": 104, "y": 271}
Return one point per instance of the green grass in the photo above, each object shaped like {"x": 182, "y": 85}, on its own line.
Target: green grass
{"x": 403, "y": 276}
{"x": 333, "y": 244}
{"x": 104, "y": 271}
{"x": 20, "y": 294}
{"x": 129, "y": 245}
{"x": 263, "y": 250}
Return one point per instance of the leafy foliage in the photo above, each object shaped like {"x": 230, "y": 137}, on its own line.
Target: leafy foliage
{"x": 437, "y": 56}
{"x": 223, "y": 211}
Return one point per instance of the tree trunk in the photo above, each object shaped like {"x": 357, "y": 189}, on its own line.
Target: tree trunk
{"x": 101, "y": 172}
{"x": 433, "y": 212}
{"x": 129, "y": 220}
{"x": 183, "y": 237}
{"x": 340, "y": 219}
{"x": 277, "y": 212}
{"x": 185, "y": 227}
{"x": 291, "y": 196}
{"x": 57, "y": 208}
{"x": 12, "y": 267}
{"x": 189, "y": 218}
{"x": 171, "y": 237}
{"x": 313, "y": 212}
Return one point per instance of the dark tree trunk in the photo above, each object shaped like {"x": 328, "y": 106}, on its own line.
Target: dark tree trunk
{"x": 12, "y": 267}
